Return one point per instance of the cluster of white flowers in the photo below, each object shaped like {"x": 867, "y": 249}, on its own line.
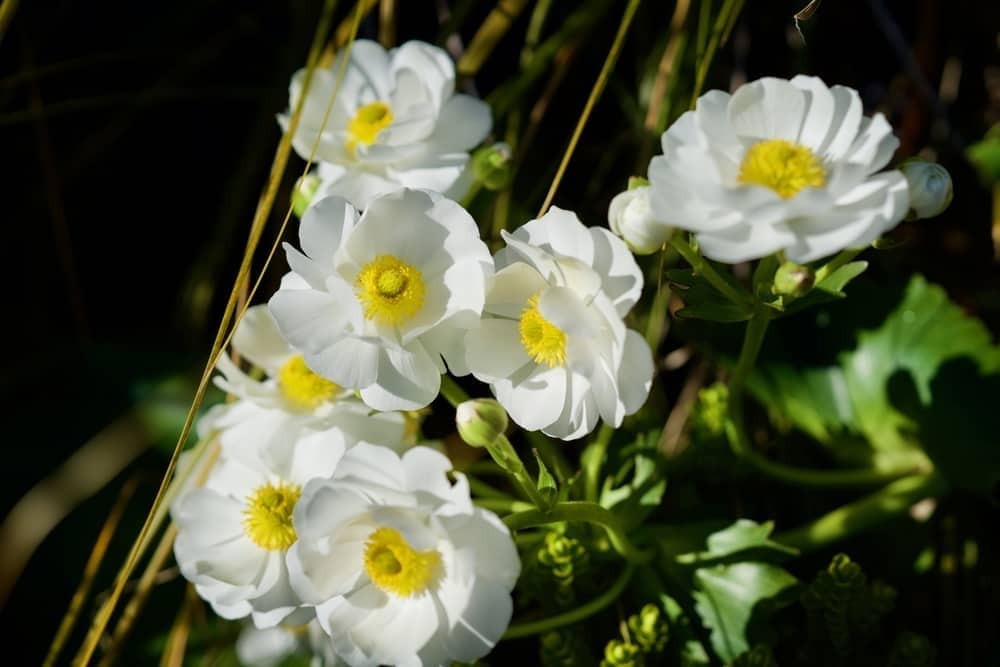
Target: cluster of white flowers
{"x": 321, "y": 511}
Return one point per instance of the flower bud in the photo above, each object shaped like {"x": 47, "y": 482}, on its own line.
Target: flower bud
{"x": 630, "y": 217}
{"x": 303, "y": 193}
{"x": 793, "y": 279}
{"x": 649, "y": 629}
{"x": 480, "y": 422}
{"x": 930, "y": 187}
{"x": 493, "y": 166}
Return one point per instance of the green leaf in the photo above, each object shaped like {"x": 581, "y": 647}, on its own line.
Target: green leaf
{"x": 702, "y": 300}
{"x": 985, "y": 155}
{"x": 831, "y": 288}
{"x": 729, "y": 595}
{"x": 847, "y": 404}
{"x": 637, "y": 487}
{"x": 546, "y": 482}
{"x": 736, "y": 540}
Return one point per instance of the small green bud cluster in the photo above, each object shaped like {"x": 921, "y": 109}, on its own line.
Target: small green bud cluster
{"x": 708, "y": 418}
{"x": 647, "y": 635}
{"x": 649, "y": 629}
{"x": 563, "y": 559}
{"x": 620, "y": 653}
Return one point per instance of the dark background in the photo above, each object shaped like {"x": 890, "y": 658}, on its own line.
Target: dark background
{"x": 137, "y": 136}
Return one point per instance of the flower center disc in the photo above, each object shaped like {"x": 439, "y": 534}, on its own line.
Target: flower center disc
{"x": 784, "y": 167}
{"x": 302, "y": 387}
{"x": 543, "y": 341}
{"x": 267, "y": 518}
{"x": 394, "y": 566}
{"x": 367, "y": 123}
{"x": 390, "y": 290}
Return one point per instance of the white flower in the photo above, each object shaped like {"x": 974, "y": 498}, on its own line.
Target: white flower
{"x": 396, "y": 122}
{"x": 404, "y": 570}
{"x": 778, "y": 165}
{"x": 631, "y": 217}
{"x": 375, "y": 302}
{"x": 292, "y": 395}
{"x": 553, "y": 347}
{"x": 233, "y": 532}
{"x": 930, "y": 187}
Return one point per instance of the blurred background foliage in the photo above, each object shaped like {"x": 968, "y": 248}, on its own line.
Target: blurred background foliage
{"x": 138, "y": 136}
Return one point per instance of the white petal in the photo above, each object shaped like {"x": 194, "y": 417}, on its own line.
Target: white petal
{"x": 508, "y": 291}
{"x": 308, "y": 319}
{"x": 819, "y": 115}
{"x": 316, "y": 455}
{"x": 536, "y": 401}
{"x": 324, "y": 225}
{"x": 559, "y": 232}
{"x": 350, "y": 361}
{"x": 579, "y": 414}
{"x": 847, "y": 114}
{"x": 431, "y": 64}
{"x": 494, "y": 350}
{"x": 635, "y": 377}
{"x": 874, "y": 145}
{"x": 427, "y": 470}
{"x": 463, "y": 123}
{"x": 563, "y": 308}
{"x": 257, "y": 338}
{"x": 620, "y": 274}
{"x": 496, "y": 555}
{"x": 359, "y": 187}
{"x": 767, "y": 109}
{"x": 408, "y": 379}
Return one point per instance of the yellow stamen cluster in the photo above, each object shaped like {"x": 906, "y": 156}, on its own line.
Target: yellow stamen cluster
{"x": 390, "y": 290}
{"x": 543, "y": 341}
{"x": 267, "y": 518}
{"x": 367, "y": 124}
{"x": 393, "y": 565}
{"x": 302, "y": 387}
{"x": 783, "y": 166}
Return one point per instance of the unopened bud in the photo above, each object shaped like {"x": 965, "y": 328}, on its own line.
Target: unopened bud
{"x": 631, "y": 217}
{"x": 930, "y": 187}
{"x": 480, "y": 422}
{"x": 793, "y": 279}
{"x": 493, "y": 166}
{"x": 303, "y": 193}
{"x": 618, "y": 653}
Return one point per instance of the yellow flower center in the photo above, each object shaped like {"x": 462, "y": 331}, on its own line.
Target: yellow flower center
{"x": 543, "y": 341}
{"x": 267, "y": 518}
{"x": 395, "y": 567}
{"x": 367, "y": 123}
{"x": 390, "y": 290}
{"x": 784, "y": 167}
{"x": 302, "y": 387}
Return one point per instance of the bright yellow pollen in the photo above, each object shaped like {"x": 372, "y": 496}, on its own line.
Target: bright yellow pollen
{"x": 390, "y": 290}
{"x": 784, "y": 167}
{"x": 395, "y": 567}
{"x": 302, "y": 387}
{"x": 543, "y": 341}
{"x": 367, "y": 123}
{"x": 267, "y": 518}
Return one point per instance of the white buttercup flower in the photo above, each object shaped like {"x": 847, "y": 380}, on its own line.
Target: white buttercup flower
{"x": 630, "y": 216}
{"x": 233, "y": 532}
{"x": 396, "y": 122}
{"x": 404, "y": 570}
{"x": 376, "y": 301}
{"x": 778, "y": 165}
{"x": 553, "y": 346}
{"x": 292, "y": 395}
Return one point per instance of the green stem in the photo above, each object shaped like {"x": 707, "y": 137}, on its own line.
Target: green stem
{"x": 723, "y": 24}
{"x": 823, "y": 478}
{"x": 503, "y": 505}
{"x": 576, "y": 615}
{"x": 860, "y": 515}
{"x": 586, "y": 512}
{"x": 452, "y": 392}
{"x": 703, "y": 267}
{"x": 593, "y": 460}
